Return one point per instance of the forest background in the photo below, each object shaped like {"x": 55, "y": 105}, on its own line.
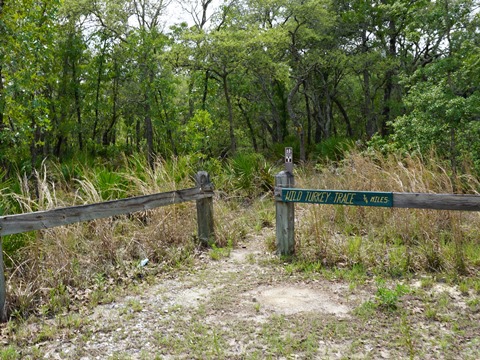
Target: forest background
{"x": 107, "y": 99}
{"x": 95, "y": 79}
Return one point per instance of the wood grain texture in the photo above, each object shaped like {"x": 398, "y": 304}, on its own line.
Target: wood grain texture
{"x": 437, "y": 201}
{"x": 15, "y": 224}
{"x": 400, "y": 200}
{"x": 205, "y": 223}
{"x": 285, "y": 216}
{"x": 3, "y": 292}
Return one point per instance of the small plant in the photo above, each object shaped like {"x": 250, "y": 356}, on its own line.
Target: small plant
{"x": 303, "y": 267}
{"x": 464, "y": 288}
{"x": 132, "y": 306}
{"x": 47, "y": 332}
{"x": 474, "y": 304}
{"x": 366, "y": 310}
{"x": 9, "y": 353}
{"x": 59, "y": 300}
{"x": 431, "y": 313}
{"x": 251, "y": 259}
{"x": 427, "y": 282}
{"x": 217, "y": 253}
{"x": 406, "y": 329}
{"x": 387, "y": 299}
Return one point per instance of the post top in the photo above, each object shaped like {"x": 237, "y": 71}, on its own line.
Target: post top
{"x": 289, "y": 160}
{"x": 202, "y": 180}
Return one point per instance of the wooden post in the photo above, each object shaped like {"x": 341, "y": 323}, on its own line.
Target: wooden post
{"x": 3, "y": 291}
{"x": 206, "y": 232}
{"x": 285, "y": 216}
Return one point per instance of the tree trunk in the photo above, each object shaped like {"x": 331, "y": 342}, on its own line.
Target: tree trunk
{"x": 191, "y": 103}
{"x": 149, "y": 135}
{"x": 327, "y": 107}
{"x": 345, "y": 116}
{"x": 309, "y": 115}
{"x": 78, "y": 109}
{"x": 275, "y": 129}
{"x": 370, "y": 124}
{"x": 296, "y": 123}
{"x": 387, "y": 93}
{"x": 205, "y": 90}
{"x": 249, "y": 125}
{"x": 138, "y": 135}
{"x": 108, "y": 138}
{"x": 34, "y": 150}
{"x": 283, "y": 110}
{"x": 233, "y": 142}
{"x": 2, "y": 97}
{"x": 62, "y": 95}
{"x": 167, "y": 122}
{"x": 97, "y": 96}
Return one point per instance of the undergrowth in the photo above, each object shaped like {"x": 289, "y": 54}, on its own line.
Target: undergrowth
{"x": 47, "y": 271}
{"x": 394, "y": 242}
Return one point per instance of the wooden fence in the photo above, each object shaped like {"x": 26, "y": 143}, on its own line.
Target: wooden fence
{"x": 286, "y": 196}
{"x": 202, "y": 194}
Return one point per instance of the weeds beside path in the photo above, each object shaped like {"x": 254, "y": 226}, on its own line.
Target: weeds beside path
{"x": 249, "y": 305}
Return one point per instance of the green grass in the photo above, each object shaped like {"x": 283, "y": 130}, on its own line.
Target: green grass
{"x": 387, "y": 298}
{"x": 218, "y": 253}
{"x": 9, "y": 353}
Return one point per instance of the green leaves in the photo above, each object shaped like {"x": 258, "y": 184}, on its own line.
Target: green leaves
{"x": 106, "y": 77}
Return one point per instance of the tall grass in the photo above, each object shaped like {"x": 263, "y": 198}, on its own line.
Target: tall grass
{"x": 45, "y": 268}
{"x": 395, "y": 241}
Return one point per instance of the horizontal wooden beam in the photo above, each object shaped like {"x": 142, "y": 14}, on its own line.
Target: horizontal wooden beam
{"x": 437, "y": 201}
{"x": 337, "y": 197}
{"x": 15, "y": 224}
{"x": 381, "y": 199}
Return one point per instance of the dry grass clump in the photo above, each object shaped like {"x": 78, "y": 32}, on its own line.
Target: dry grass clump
{"x": 47, "y": 269}
{"x": 395, "y": 241}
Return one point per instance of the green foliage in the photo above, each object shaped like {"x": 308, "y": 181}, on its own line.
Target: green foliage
{"x": 218, "y": 253}
{"x": 443, "y": 99}
{"x": 314, "y": 75}
{"x": 333, "y": 149}
{"x": 440, "y": 120}
{"x": 250, "y": 173}
{"x": 111, "y": 185}
{"x": 388, "y": 298}
{"x": 58, "y": 300}
{"x": 9, "y": 353}
{"x": 304, "y": 267}
{"x": 366, "y": 310}
{"x": 198, "y": 134}
{"x": 5, "y": 205}
{"x": 14, "y": 244}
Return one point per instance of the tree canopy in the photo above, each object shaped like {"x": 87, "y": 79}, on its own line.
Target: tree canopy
{"x": 105, "y": 77}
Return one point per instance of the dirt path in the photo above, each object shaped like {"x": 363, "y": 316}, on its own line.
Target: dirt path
{"x": 246, "y": 306}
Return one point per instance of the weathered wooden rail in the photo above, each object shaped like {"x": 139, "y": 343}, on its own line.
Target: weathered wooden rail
{"x": 286, "y": 195}
{"x": 202, "y": 194}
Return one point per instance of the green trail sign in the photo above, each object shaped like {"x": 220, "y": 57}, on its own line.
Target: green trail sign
{"x": 338, "y": 197}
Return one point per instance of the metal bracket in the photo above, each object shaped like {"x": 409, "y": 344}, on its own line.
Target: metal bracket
{"x": 289, "y": 160}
